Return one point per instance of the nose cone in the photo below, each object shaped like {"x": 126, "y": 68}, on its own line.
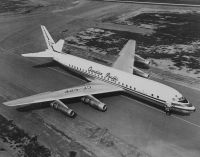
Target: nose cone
{"x": 185, "y": 108}
{"x": 191, "y": 108}
{"x": 194, "y": 109}
{"x": 189, "y": 105}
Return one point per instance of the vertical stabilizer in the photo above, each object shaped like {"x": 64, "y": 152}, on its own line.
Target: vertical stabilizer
{"x": 49, "y": 41}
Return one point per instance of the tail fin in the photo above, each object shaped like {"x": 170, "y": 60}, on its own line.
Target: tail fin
{"x": 51, "y": 45}
{"x": 49, "y": 41}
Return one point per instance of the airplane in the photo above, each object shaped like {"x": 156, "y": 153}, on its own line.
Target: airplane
{"x": 102, "y": 79}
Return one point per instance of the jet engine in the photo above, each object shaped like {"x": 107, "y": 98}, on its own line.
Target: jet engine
{"x": 93, "y": 102}
{"x": 141, "y": 60}
{"x": 60, "y": 106}
{"x": 139, "y": 72}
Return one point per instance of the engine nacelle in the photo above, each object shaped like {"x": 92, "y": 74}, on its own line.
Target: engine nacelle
{"x": 93, "y": 102}
{"x": 139, "y": 72}
{"x": 60, "y": 106}
{"x": 142, "y": 60}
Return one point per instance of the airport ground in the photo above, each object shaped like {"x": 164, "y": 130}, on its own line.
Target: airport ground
{"x": 130, "y": 127}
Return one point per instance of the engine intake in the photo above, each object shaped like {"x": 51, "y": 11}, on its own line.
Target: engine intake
{"x": 60, "y": 106}
{"x": 93, "y": 102}
{"x": 139, "y": 72}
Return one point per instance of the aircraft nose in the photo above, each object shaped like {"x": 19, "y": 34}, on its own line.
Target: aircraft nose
{"x": 190, "y": 105}
{"x": 193, "y": 108}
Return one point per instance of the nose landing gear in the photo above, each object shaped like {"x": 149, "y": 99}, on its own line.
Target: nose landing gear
{"x": 168, "y": 108}
{"x": 167, "y": 111}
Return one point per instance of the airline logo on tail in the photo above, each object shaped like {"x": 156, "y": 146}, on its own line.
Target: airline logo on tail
{"x": 47, "y": 37}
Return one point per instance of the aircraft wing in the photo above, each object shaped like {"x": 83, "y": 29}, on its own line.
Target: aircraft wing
{"x": 78, "y": 91}
{"x": 125, "y": 60}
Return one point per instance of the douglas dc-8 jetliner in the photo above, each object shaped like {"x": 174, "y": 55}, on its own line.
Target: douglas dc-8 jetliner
{"x": 102, "y": 79}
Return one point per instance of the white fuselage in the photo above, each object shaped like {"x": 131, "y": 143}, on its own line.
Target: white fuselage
{"x": 151, "y": 90}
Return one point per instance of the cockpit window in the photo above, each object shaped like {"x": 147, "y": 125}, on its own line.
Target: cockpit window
{"x": 182, "y": 100}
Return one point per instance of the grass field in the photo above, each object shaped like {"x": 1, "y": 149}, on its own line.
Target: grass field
{"x": 21, "y": 142}
{"x": 24, "y": 6}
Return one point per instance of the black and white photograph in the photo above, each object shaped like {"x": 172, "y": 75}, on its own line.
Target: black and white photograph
{"x": 99, "y": 78}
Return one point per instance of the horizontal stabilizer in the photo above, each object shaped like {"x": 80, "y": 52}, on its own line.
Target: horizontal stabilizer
{"x": 43, "y": 54}
{"x": 59, "y": 45}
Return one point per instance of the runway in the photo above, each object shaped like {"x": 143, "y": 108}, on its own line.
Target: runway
{"x": 134, "y": 122}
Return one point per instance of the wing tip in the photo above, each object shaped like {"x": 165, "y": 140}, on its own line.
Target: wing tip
{"x": 132, "y": 41}
{"x": 8, "y": 103}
